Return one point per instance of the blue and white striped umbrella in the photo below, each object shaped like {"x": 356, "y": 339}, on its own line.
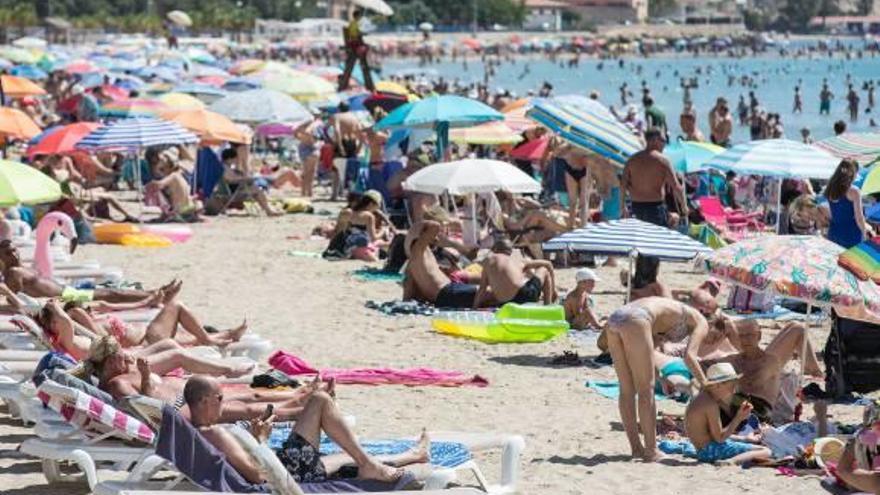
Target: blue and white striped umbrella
{"x": 626, "y": 238}
{"x": 591, "y": 127}
{"x": 776, "y": 158}
{"x": 137, "y": 133}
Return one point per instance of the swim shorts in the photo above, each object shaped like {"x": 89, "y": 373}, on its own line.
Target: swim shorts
{"x": 715, "y": 451}
{"x": 456, "y": 295}
{"x": 530, "y": 291}
{"x": 611, "y": 205}
{"x": 302, "y": 460}
{"x": 70, "y": 294}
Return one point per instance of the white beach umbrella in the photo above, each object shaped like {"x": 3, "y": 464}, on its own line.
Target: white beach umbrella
{"x": 30, "y": 42}
{"x": 377, "y": 6}
{"x": 180, "y": 18}
{"x": 426, "y": 26}
{"x": 472, "y": 175}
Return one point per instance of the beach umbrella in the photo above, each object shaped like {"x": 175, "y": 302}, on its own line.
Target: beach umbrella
{"x": 377, "y": 6}
{"x": 426, "y": 26}
{"x": 532, "y": 150}
{"x": 870, "y": 182}
{"x": 62, "y": 139}
{"x": 22, "y": 184}
{"x": 131, "y": 108}
{"x": 515, "y": 115}
{"x": 796, "y": 267}
{"x": 391, "y": 87}
{"x": 628, "y": 237}
{"x": 136, "y": 133}
{"x": 16, "y": 87}
{"x": 241, "y": 84}
{"x": 260, "y": 105}
{"x": 247, "y": 66}
{"x": 440, "y": 113}
{"x": 28, "y": 72}
{"x": 18, "y": 55}
{"x": 469, "y": 176}
{"x": 303, "y": 86}
{"x": 689, "y": 156}
{"x": 490, "y": 133}
{"x": 16, "y": 124}
{"x": 588, "y": 126}
{"x": 776, "y": 158}
{"x": 30, "y": 42}
{"x": 197, "y": 89}
{"x": 180, "y": 101}
{"x": 387, "y": 102}
{"x": 164, "y": 73}
{"x": 862, "y": 146}
{"x": 180, "y": 18}
{"x": 209, "y": 126}
{"x": 81, "y": 66}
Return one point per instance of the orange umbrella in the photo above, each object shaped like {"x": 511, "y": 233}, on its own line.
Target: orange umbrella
{"x": 15, "y": 87}
{"x": 209, "y": 126}
{"x": 16, "y": 124}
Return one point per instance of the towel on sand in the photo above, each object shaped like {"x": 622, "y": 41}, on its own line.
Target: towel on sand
{"x": 443, "y": 454}
{"x": 611, "y": 389}
{"x": 370, "y": 274}
{"x": 293, "y": 365}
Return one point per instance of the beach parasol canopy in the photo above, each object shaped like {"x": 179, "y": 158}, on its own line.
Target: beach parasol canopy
{"x": 22, "y": 184}
{"x": 776, "y": 158}
{"x": 180, "y": 18}
{"x": 473, "y": 175}
{"x": 131, "y": 108}
{"x": 377, "y": 6}
{"x": 798, "y": 267}
{"x": 180, "y": 101}
{"x": 860, "y": 146}
{"x": 29, "y": 72}
{"x": 209, "y": 126}
{"x": 304, "y": 87}
{"x": 135, "y": 134}
{"x": 688, "y": 157}
{"x": 258, "y": 106}
{"x": 870, "y": 182}
{"x": 515, "y": 115}
{"x": 17, "y": 87}
{"x": 18, "y": 55}
{"x": 30, "y": 42}
{"x": 60, "y": 140}
{"x": 16, "y": 124}
{"x": 440, "y": 113}
{"x": 81, "y": 66}
{"x": 587, "y": 126}
{"x": 490, "y": 133}
{"x": 532, "y": 150}
{"x": 628, "y": 237}
{"x": 426, "y": 26}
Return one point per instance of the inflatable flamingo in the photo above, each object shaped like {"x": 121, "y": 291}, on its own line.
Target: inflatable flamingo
{"x": 50, "y": 223}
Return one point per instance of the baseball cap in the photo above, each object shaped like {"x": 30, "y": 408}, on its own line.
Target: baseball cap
{"x": 586, "y": 274}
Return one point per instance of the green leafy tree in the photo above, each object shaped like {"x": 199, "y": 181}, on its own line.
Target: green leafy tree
{"x": 412, "y": 13}
{"x": 796, "y": 15}
{"x": 660, "y": 8}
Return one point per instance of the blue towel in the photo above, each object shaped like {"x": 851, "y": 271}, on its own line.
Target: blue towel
{"x": 369, "y": 274}
{"x": 683, "y": 447}
{"x": 443, "y": 454}
{"x": 611, "y": 390}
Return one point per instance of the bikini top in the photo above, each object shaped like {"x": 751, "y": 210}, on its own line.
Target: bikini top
{"x": 680, "y": 330}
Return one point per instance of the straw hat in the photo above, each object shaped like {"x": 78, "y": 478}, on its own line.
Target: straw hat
{"x": 721, "y": 372}
{"x": 374, "y": 195}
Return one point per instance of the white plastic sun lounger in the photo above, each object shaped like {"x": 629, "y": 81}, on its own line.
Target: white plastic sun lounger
{"x": 450, "y": 491}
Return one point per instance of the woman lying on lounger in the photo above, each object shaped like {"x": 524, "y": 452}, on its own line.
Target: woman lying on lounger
{"x": 61, "y": 325}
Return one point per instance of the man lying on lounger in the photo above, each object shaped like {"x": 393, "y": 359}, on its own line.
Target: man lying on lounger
{"x": 425, "y": 281}
{"x": 27, "y": 280}
{"x": 123, "y": 373}
{"x": 300, "y": 453}
{"x": 513, "y": 279}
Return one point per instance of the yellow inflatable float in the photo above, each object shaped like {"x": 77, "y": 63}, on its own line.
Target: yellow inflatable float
{"x": 513, "y": 323}
{"x": 127, "y": 234}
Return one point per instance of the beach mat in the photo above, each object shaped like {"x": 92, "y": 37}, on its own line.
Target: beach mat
{"x": 303, "y": 254}
{"x": 370, "y": 274}
{"x": 611, "y": 389}
{"x": 778, "y": 313}
{"x": 398, "y": 308}
{"x": 443, "y": 454}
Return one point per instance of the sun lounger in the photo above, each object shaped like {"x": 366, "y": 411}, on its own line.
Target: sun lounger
{"x": 731, "y": 224}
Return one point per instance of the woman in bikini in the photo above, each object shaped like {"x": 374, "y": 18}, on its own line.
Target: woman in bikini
{"x": 633, "y": 332}
{"x": 577, "y": 185}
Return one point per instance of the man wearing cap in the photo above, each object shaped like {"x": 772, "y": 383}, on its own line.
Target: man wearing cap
{"x": 711, "y": 421}
{"x": 579, "y": 304}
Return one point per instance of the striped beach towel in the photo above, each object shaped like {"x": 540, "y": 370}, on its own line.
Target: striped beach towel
{"x": 863, "y": 260}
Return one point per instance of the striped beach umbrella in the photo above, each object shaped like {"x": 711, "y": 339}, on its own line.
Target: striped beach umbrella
{"x": 137, "y": 133}
{"x": 776, "y": 158}
{"x": 861, "y": 146}
{"x": 587, "y": 126}
{"x": 628, "y": 237}
{"x": 490, "y": 133}
{"x": 132, "y": 108}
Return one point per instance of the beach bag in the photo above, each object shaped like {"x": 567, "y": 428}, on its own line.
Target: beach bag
{"x": 747, "y": 301}
{"x": 851, "y": 355}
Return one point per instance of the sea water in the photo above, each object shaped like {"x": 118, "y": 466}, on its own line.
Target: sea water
{"x": 775, "y": 78}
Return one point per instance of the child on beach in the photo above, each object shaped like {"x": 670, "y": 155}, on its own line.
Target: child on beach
{"x": 711, "y": 423}
{"x": 579, "y": 304}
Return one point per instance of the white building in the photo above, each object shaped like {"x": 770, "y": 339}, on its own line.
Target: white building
{"x": 543, "y": 15}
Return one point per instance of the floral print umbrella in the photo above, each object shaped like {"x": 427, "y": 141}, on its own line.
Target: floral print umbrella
{"x": 800, "y": 267}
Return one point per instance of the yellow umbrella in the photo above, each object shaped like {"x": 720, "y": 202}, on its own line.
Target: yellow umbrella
{"x": 392, "y": 87}
{"x": 210, "y": 126}
{"x": 16, "y": 87}
{"x": 303, "y": 86}
{"x": 490, "y": 133}
{"x": 181, "y": 101}
{"x": 16, "y": 124}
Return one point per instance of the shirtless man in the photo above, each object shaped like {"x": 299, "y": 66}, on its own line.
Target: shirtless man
{"x": 122, "y": 373}
{"x": 347, "y": 140}
{"x": 512, "y": 279}
{"x": 578, "y": 303}
{"x": 712, "y": 436}
{"x": 762, "y": 368}
{"x": 174, "y": 184}
{"x": 689, "y": 129}
{"x": 208, "y": 403}
{"x": 722, "y": 127}
{"x": 646, "y": 177}
{"x": 424, "y": 280}
{"x": 26, "y": 280}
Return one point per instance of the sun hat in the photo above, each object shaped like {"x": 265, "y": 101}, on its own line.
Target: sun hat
{"x": 720, "y": 373}
{"x": 375, "y": 195}
{"x": 585, "y": 274}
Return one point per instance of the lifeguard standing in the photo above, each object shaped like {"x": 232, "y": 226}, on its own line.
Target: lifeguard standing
{"x": 355, "y": 50}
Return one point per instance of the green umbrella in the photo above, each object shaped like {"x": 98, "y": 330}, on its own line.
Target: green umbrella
{"x": 23, "y": 184}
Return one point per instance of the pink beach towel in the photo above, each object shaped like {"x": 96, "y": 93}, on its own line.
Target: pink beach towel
{"x": 292, "y": 365}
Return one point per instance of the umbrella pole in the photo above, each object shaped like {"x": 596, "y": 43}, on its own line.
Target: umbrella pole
{"x": 778, "y": 205}
{"x": 803, "y": 352}
{"x": 629, "y": 282}
{"x": 476, "y": 229}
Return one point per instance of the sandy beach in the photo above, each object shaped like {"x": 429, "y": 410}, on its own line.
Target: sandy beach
{"x": 240, "y": 267}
